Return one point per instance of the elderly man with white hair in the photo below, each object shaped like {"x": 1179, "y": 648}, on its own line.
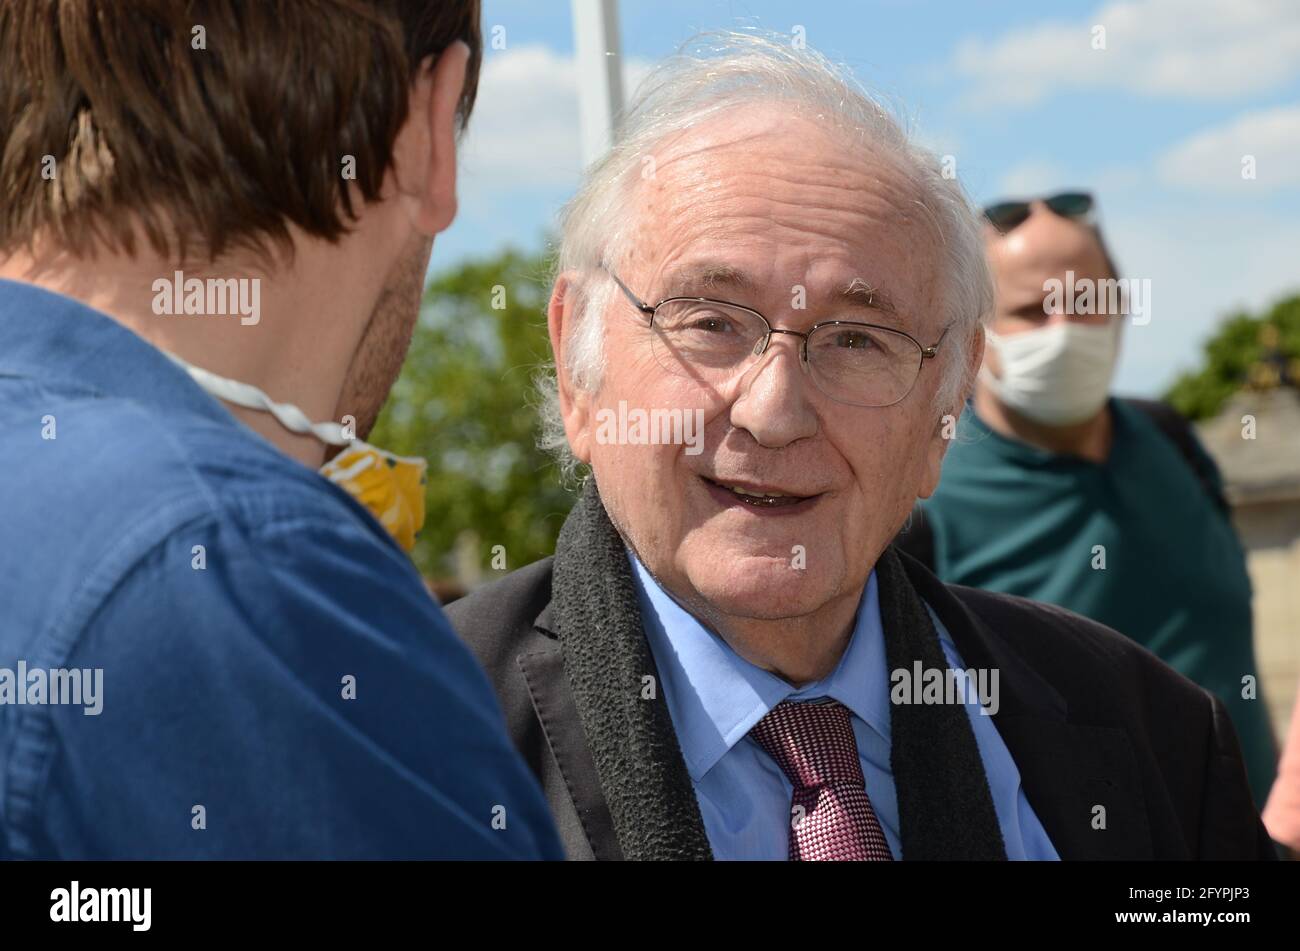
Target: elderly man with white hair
{"x": 725, "y": 658}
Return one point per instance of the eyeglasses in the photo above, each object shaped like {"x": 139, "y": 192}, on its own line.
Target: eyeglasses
{"x": 1007, "y": 215}
{"x": 713, "y": 342}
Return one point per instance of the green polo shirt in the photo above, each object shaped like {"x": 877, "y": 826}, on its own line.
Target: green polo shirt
{"x": 1014, "y": 518}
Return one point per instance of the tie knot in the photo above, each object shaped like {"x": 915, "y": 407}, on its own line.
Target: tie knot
{"x": 812, "y": 742}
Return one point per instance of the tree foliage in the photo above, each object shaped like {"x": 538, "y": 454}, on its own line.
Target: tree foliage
{"x": 1239, "y": 355}
{"x": 464, "y": 401}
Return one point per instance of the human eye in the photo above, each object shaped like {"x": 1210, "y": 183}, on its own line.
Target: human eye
{"x": 849, "y": 338}
{"x": 701, "y": 319}
{"x": 712, "y": 323}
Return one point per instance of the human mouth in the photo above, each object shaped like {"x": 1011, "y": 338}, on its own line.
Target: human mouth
{"x": 756, "y": 496}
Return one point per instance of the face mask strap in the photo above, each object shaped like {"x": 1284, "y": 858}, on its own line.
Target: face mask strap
{"x": 250, "y": 397}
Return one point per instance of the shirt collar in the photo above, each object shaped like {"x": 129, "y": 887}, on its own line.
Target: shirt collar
{"x": 46, "y": 336}
{"x": 715, "y": 696}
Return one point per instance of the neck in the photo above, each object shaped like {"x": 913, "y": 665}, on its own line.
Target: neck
{"x": 799, "y": 650}
{"x": 1089, "y": 439}
{"x": 296, "y": 347}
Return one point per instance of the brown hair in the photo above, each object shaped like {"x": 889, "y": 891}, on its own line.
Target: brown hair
{"x": 211, "y": 148}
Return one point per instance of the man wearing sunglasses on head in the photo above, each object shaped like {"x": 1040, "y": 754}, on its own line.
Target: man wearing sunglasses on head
{"x": 1057, "y": 491}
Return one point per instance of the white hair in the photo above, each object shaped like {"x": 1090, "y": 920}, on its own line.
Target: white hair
{"x": 708, "y": 77}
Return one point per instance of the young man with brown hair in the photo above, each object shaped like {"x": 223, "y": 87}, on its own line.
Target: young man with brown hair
{"x": 215, "y": 220}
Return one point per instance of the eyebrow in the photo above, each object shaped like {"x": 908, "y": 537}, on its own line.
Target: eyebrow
{"x": 707, "y": 276}
{"x": 713, "y": 276}
{"x": 862, "y": 294}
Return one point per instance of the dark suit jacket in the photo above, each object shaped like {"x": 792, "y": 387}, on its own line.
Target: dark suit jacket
{"x": 1088, "y": 716}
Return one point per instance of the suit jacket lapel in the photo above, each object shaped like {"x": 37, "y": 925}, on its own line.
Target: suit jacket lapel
{"x": 548, "y": 687}
{"x": 1067, "y": 769}
{"x": 614, "y": 687}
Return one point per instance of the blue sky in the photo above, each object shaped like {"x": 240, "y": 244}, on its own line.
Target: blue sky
{"x": 1156, "y": 124}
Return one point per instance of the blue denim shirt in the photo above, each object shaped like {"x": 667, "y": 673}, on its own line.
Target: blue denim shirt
{"x": 276, "y": 681}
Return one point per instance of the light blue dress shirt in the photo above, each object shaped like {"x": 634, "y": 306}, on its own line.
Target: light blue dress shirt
{"x": 715, "y": 697}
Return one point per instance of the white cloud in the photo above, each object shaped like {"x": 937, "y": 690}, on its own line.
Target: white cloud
{"x": 1191, "y": 49}
{"x": 524, "y": 131}
{"x": 1213, "y": 158}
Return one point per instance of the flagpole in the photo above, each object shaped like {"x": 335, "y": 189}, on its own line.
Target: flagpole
{"x": 600, "y": 74}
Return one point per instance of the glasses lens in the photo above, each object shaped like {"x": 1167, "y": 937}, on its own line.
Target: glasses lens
{"x": 705, "y": 340}
{"x": 864, "y": 366}
{"x": 1070, "y": 204}
{"x": 1005, "y": 215}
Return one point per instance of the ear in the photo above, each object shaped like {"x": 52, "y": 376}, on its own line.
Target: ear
{"x": 424, "y": 153}
{"x": 575, "y": 402}
{"x": 946, "y": 429}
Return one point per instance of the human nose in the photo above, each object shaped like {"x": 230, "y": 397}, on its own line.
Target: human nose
{"x": 772, "y": 403}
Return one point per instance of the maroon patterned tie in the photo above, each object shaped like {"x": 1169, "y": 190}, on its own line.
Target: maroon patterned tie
{"x": 831, "y": 816}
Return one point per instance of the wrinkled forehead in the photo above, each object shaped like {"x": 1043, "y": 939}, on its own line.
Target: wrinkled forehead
{"x": 785, "y": 196}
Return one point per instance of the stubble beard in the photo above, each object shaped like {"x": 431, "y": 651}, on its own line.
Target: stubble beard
{"x": 384, "y": 343}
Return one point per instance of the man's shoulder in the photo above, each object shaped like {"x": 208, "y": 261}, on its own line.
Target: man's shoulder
{"x": 1099, "y": 671}
{"x": 522, "y": 592}
{"x": 497, "y": 620}
{"x": 111, "y": 461}
{"x": 1102, "y": 675}
{"x": 123, "y": 492}
{"x": 1025, "y": 620}
{"x": 1173, "y": 740}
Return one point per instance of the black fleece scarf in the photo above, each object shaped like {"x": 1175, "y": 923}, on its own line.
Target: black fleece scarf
{"x": 945, "y": 809}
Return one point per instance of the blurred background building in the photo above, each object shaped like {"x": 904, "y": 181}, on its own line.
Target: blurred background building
{"x": 1255, "y": 438}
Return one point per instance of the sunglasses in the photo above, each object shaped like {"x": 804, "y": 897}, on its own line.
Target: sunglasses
{"x": 1006, "y": 215}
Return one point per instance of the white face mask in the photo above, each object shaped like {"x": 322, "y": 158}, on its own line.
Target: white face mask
{"x": 1055, "y": 375}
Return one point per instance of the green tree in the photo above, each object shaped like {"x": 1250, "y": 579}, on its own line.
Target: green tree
{"x": 464, "y": 402}
{"x": 1243, "y": 352}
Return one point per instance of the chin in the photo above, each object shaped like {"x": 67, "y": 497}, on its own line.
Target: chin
{"x": 759, "y": 586}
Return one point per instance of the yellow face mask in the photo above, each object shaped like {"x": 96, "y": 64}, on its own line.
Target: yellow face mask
{"x": 391, "y": 487}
